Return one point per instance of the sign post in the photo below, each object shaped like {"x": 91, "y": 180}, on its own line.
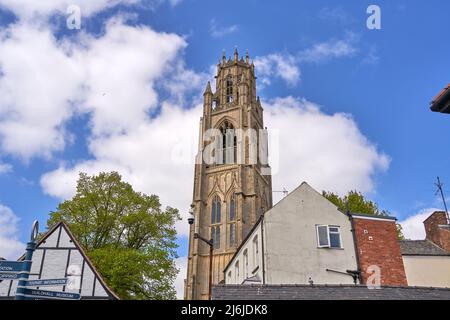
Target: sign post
{"x": 26, "y": 264}
{"x": 45, "y": 294}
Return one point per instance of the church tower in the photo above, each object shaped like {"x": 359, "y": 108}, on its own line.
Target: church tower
{"x": 232, "y": 191}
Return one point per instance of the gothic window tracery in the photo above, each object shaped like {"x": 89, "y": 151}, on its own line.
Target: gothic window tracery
{"x": 215, "y": 221}
{"x": 232, "y": 221}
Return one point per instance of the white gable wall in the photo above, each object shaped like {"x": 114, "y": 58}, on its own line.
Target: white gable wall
{"x": 292, "y": 255}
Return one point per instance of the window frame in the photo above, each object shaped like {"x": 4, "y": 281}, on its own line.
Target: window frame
{"x": 328, "y": 245}
{"x": 334, "y": 232}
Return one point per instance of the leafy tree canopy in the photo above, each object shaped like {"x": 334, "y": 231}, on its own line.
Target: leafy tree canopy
{"x": 355, "y": 202}
{"x": 125, "y": 233}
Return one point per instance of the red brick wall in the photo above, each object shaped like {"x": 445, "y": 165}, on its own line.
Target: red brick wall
{"x": 437, "y": 235}
{"x": 377, "y": 244}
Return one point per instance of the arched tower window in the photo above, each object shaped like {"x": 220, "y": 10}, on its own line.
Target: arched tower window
{"x": 232, "y": 221}
{"x": 229, "y": 88}
{"x": 229, "y": 143}
{"x": 215, "y": 221}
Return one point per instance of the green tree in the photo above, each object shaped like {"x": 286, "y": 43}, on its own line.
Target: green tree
{"x": 355, "y": 202}
{"x": 130, "y": 240}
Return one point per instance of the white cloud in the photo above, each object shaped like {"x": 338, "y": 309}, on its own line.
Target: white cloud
{"x": 181, "y": 264}
{"x": 122, "y": 69}
{"x": 287, "y": 66}
{"x": 26, "y": 9}
{"x": 5, "y": 168}
{"x": 413, "y": 227}
{"x": 279, "y": 65}
{"x": 334, "y": 48}
{"x": 111, "y": 77}
{"x": 10, "y": 247}
{"x": 327, "y": 151}
{"x": 37, "y": 91}
{"x": 216, "y": 31}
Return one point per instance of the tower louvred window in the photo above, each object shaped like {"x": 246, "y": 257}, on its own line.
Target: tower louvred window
{"x": 229, "y": 86}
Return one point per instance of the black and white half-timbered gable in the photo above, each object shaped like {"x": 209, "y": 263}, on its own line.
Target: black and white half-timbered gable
{"x": 59, "y": 255}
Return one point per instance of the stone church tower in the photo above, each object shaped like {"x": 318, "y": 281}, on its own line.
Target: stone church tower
{"x": 231, "y": 192}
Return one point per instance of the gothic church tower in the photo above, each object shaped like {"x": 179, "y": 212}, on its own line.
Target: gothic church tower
{"x": 229, "y": 196}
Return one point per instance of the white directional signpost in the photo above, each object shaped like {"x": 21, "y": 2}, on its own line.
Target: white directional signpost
{"x": 10, "y": 270}
{"x": 46, "y": 282}
{"x": 20, "y": 270}
{"x": 45, "y": 294}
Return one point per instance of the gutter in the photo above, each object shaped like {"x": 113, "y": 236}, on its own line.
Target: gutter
{"x": 262, "y": 251}
{"x": 358, "y": 263}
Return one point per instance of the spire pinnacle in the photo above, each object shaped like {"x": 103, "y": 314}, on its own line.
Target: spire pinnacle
{"x": 247, "y": 57}
{"x": 236, "y": 54}
{"x": 208, "y": 88}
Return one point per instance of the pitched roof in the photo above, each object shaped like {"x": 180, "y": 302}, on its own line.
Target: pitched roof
{"x": 373, "y": 216}
{"x": 441, "y": 103}
{"x": 421, "y": 248}
{"x": 326, "y": 292}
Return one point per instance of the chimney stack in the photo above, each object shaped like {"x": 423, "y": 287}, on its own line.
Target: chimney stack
{"x": 437, "y": 230}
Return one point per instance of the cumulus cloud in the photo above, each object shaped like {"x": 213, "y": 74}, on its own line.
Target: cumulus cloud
{"x": 326, "y": 150}
{"x": 10, "y": 247}
{"x": 112, "y": 78}
{"x": 279, "y": 65}
{"x": 121, "y": 70}
{"x": 286, "y": 66}
{"x": 413, "y": 227}
{"x": 26, "y": 9}
{"x": 36, "y": 96}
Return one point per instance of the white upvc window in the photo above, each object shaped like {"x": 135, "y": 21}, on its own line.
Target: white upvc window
{"x": 328, "y": 236}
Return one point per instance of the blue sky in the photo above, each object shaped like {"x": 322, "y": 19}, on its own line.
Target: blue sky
{"x": 371, "y": 88}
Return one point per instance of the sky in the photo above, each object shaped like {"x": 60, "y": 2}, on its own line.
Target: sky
{"x": 348, "y": 105}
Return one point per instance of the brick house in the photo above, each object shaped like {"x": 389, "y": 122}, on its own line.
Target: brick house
{"x": 306, "y": 239}
{"x": 427, "y": 262}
